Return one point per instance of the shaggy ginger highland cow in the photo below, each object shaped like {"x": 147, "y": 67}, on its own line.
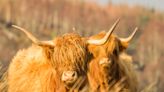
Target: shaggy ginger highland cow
{"x": 108, "y": 66}
{"x": 48, "y": 66}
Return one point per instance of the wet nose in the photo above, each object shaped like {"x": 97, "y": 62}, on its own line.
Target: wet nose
{"x": 69, "y": 76}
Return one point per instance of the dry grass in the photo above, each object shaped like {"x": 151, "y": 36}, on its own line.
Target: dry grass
{"x": 113, "y": 86}
{"x": 3, "y": 82}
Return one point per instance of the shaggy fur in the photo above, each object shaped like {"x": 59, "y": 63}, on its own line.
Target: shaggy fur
{"x": 102, "y": 76}
{"x": 70, "y": 54}
{"x": 39, "y": 68}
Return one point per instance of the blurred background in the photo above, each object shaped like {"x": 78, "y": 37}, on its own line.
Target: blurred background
{"x": 47, "y": 19}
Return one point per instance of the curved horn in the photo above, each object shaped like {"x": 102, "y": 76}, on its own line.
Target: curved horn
{"x": 105, "y": 38}
{"x": 34, "y": 39}
{"x": 130, "y": 37}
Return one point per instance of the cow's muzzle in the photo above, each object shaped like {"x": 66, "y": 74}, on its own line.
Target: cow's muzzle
{"x": 105, "y": 62}
{"x": 69, "y": 77}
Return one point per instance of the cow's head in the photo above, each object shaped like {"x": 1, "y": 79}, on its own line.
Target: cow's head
{"x": 67, "y": 54}
{"x": 109, "y": 51}
{"x": 104, "y": 57}
{"x": 70, "y": 57}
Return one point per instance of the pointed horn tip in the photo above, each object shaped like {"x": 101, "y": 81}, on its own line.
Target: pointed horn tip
{"x": 73, "y": 28}
{"x": 20, "y": 28}
{"x": 134, "y": 32}
{"x": 118, "y": 20}
{"x": 114, "y": 25}
{"x": 136, "y": 29}
{"x": 15, "y": 26}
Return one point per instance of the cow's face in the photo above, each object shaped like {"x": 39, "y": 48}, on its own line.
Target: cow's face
{"x": 67, "y": 54}
{"x": 105, "y": 57}
{"x": 70, "y": 58}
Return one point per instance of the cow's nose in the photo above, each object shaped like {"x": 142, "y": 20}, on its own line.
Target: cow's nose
{"x": 104, "y": 61}
{"x": 69, "y": 76}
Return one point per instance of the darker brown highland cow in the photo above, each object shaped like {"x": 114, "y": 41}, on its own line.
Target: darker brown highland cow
{"x": 107, "y": 66}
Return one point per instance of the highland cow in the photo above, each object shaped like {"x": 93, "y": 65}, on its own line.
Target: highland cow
{"x": 107, "y": 65}
{"x": 48, "y": 66}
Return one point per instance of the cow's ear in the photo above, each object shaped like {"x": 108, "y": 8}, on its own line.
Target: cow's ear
{"x": 123, "y": 46}
{"x": 48, "y": 52}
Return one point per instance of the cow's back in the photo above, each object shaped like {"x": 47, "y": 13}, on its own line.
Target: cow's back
{"x": 31, "y": 71}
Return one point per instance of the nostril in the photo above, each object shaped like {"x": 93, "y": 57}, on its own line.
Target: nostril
{"x": 73, "y": 74}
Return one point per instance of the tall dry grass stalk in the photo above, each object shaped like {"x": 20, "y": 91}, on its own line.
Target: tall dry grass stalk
{"x": 3, "y": 82}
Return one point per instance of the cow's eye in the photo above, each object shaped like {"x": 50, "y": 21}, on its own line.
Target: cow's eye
{"x": 115, "y": 52}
